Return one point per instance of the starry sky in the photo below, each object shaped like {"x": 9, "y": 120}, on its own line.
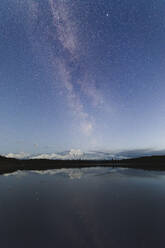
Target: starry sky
{"x": 81, "y": 76}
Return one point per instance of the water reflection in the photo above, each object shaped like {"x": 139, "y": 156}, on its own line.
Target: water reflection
{"x": 71, "y": 173}
{"x": 95, "y": 171}
{"x": 95, "y": 207}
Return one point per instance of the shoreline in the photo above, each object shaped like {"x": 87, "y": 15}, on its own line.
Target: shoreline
{"x": 9, "y": 165}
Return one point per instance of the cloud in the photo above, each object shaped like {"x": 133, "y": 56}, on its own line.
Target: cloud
{"x": 141, "y": 152}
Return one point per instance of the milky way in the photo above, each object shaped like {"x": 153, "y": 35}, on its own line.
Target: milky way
{"x": 62, "y": 37}
{"x": 81, "y": 75}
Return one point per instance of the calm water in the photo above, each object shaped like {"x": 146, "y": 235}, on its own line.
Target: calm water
{"x": 96, "y": 207}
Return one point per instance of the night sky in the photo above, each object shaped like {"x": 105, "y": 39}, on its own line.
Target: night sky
{"x": 81, "y": 75}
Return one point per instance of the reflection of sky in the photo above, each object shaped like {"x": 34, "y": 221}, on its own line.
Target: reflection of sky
{"x": 102, "y": 208}
{"x": 92, "y": 172}
{"x": 81, "y": 74}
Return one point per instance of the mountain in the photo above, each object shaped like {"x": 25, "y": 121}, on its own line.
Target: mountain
{"x": 8, "y": 165}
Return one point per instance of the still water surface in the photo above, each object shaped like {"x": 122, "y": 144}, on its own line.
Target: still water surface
{"x": 89, "y": 207}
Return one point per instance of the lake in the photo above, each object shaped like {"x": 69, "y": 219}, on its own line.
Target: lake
{"x": 89, "y": 207}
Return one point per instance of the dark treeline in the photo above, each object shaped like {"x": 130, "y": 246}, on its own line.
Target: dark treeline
{"x": 8, "y": 165}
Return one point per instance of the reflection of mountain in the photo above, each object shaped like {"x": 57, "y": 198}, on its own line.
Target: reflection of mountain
{"x": 11, "y": 164}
